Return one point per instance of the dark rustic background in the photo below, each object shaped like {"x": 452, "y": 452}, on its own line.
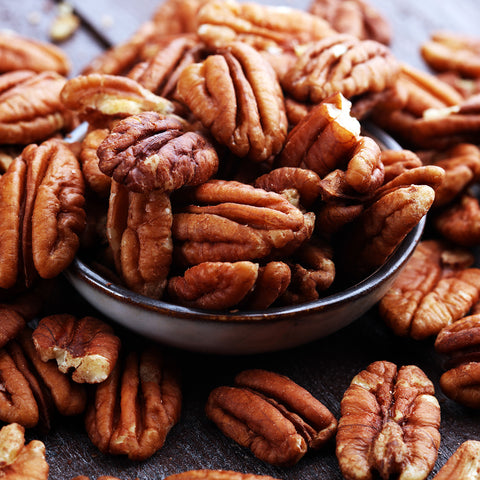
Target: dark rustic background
{"x": 325, "y": 367}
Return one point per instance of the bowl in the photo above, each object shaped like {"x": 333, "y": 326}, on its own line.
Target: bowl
{"x": 238, "y": 332}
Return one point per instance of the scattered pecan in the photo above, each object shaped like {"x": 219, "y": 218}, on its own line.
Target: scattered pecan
{"x": 461, "y": 342}
{"x": 11, "y": 323}
{"x": 341, "y": 63}
{"x": 389, "y": 423}
{"x": 139, "y": 234}
{"x": 19, "y": 461}
{"x": 135, "y": 408}
{"x": 236, "y": 95}
{"x": 147, "y": 151}
{"x": 448, "y": 51}
{"x": 464, "y": 463}
{"x": 30, "y": 107}
{"x": 272, "y": 415}
{"x": 21, "y": 53}
{"x": 232, "y": 221}
{"x": 355, "y": 17}
{"x": 217, "y": 475}
{"x": 435, "y": 289}
{"x": 88, "y": 346}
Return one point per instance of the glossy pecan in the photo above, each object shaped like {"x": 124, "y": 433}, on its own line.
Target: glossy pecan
{"x": 147, "y": 151}
{"x": 11, "y": 324}
{"x": 44, "y": 215}
{"x": 236, "y": 95}
{"x": 135, "y": 408}
{"x": 272, "y": 415}
{"x": 460, "y": 341}
{"x": 30, "y": 107}
{"x": 231, "y": 221}
{"x": 139, "y": 235}
{"x": 19, "y": 461}
{"x": 464, "y": 463}
{"x": 21, "y": 53}
{"x": 355, "y": 17}
{"x": 341, "y": 63}
{"x": 88, "y": 346}
{"x": 436, "y": 288}
{"x": 389, "y": 423}
{"x": 216, "y": 475}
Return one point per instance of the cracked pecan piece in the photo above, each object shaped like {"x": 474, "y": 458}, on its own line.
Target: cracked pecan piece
{"x": 139, "y": 235}
{"x": 230, "y": 221}
{"x": 21, "y": 53}
{"x": 237, "y": 97}
{"x": 464, "y": 463}
{"x": 272, "y": 415}
{"x": 19, "y": 461}
{"x": 435, "y": 289}
{"x": 460, "y": 341}
{"x": 30, "y": 107}
{"x": 389, "y": 423}
{"x": 147, "y": 152}
{"x": 341, "y": 63}
{"x": 135, "y": 408}
{"x": 88, "y": 346}
{"x": 355, "y": 17}
{"x": 217, "y": 475}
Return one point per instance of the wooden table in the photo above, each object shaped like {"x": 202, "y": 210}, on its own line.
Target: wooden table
{"x": 325, "y": 367}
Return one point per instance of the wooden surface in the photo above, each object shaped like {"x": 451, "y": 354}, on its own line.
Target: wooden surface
{"x": 324, "y": 367}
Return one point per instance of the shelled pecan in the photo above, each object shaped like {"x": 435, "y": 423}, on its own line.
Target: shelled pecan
{"x": 88, "y": 346}
{"x": 135, "y": 408}
{"x": 435, "y": 289}
{"x": 217, "y": 475}
{"x": 272, "y": 415}
{"x": 389, "y": 423}
{"x": 460, "y": 341}
{"x": 19, "y": 461}
{"x": 464, "y": 463}
{"x": 11, "y": 324}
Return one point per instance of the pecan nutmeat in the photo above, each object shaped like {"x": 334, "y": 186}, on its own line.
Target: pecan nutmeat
{"x": 464, "y": 463}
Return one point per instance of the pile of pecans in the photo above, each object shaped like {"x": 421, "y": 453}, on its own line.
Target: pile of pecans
{"x": 224, "y": 167}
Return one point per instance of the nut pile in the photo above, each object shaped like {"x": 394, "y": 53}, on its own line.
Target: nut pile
{"x": 224, "y": 166}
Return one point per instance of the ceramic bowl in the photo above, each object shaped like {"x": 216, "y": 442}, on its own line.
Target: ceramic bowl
{"x": 238, "y": 332}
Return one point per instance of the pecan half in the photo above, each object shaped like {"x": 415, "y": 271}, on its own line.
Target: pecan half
{"x": 19, "y": 461}
{"x": 461, "y": 342}
{"x": 272, "y": 415}
{"x": 464, "y": 463}
{"x": 135, "y": 408}
{"x": 147, "y": 151}
{"x": 341, "y": 63}
{"x": 389, "y": 423}
{"x": 236, "y": 95}
{"x": 139, "y": 234}
{"x": 435, "y": 289}
{"x": 11, "y": 324}
{"x": 87, "y": 345}
{"x": 216, "y": 475}
{"x": 21, "y": 53}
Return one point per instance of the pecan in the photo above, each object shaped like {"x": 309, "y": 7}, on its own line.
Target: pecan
{"x": 135, "y": 408}
{"x": 233, "y": 221}
{"x": 466, "y": 87}
{"x": 87, "y": 345}
{"x": 21, "y": 53}
{"x": 30, "y": 107}
{"x": 461, "y": 342}
{"x": 214, "y": 285}
{"x": 464, "y": 463}
{"x": 272, "y": 415}
{"x": 389, "y": 423}
{"x": 341, "y": 63}
{"x": 331, "y": 217}
{"x": 139, "y": 234}
{"x": 266, "y": 28}
{"x": 435, "y": 289}
{"x": 460, "y": 222}
{"x": 448, "y": 51}
{"x": 19, "y": 461}
{"x": 236, "y": 95}
{"x": 11, "y": 323}
{"x": 44, "y": 214}
{"x": 216, "y": 475}
{"x": 178, "y": 16}
{"x": 99, "y": 98}
{"x": 147, "y": 151}
{"x": 355, "y": 17}
{"x": 396, "y": 162}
